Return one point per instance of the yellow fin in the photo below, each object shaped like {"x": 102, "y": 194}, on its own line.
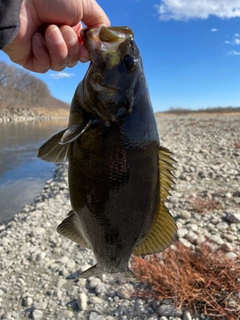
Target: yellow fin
{"x": 164, "y": 228}
{"x": 52, "y": 151}
{"x": 68, "y": 228}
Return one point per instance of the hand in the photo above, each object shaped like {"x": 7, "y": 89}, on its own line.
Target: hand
{"x": 49, "y": 35}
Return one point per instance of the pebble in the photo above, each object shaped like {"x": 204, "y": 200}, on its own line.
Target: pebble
{"x": 233, "y": 217}
{"x": 37, "y": 314}
{"x": 82, "y": 301}
{"x": 40, "y": 268}
{"x": 231, "y": 255}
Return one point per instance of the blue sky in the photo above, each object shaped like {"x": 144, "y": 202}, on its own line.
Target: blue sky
{"x": 190, "y": 51}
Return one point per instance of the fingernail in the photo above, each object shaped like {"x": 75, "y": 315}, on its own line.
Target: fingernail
{"x": 69, "y": 36}
{"x": 83, "y": 60}
{"x": 55, "y": 35}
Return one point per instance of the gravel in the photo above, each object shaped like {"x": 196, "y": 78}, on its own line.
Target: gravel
{"x": 39, "y": 269}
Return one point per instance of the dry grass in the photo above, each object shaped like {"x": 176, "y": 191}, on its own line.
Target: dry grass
{"x": 203, "y": 206}
{"x": 202, "y": 281}
{"x": 237, "y": 144}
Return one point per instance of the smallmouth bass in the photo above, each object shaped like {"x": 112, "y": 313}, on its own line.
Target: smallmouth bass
{"x": 119, "y": 175}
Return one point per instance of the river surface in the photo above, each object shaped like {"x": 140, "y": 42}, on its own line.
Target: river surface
{"x": 22, "y": 174}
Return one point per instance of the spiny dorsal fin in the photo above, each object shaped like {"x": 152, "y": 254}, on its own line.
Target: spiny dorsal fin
{"x": 163, "y": 229}
{"x": 52, "y": 151}
{"x": 68, "y": 228}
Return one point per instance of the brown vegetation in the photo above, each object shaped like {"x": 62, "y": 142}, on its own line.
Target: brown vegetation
{"x": 204, "y": 205}
{"x": 20, "y": 90}
{"x": 202, "y": 281}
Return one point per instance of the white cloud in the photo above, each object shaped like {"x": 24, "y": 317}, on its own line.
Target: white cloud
{"x": 237, "y": 35}
{"x": 227, "y": 42}
{"x": 236, "y": 41}
{"x": 214, "y": 30}
{"x": 61, "y": 75}
{"x": 234, "y": 53}
{"x": 197, "y": 9}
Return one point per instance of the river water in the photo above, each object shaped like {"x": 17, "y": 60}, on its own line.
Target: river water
{"x": 22, "y": 174}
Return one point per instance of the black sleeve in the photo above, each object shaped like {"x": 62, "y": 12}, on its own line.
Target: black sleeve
{"x": 9, "y": 20}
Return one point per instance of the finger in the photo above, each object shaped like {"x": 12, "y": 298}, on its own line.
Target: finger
{"x": 93, "y": 15}
{"x": 72, "y": 44}
{"x": 83, "y": 55}
{"x": 57, "y": 48}
{"x": 40, "y": 62}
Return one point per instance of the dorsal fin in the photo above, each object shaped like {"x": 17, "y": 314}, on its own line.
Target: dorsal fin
{"x": 163, "y": 229}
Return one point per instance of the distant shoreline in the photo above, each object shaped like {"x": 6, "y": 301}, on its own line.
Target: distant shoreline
{"x": 211, "y": 111}
{"x": 28, "y": 114}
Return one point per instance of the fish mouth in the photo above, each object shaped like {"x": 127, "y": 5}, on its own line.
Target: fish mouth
{"x": 105, "y": 38}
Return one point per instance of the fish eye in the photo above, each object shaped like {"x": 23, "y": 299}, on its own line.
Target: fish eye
{"x": 130, "y": 63}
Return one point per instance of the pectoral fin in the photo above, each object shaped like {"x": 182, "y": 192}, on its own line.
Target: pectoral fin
{"x": 52, "y": 151}
{"x": 74, "y": 132}
{"x": 57, "y": 147}
{"x": 163, "y": 229}
{"x": 68, "y": 228}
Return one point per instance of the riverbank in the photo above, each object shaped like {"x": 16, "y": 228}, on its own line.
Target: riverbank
{"x": 39, "y": 268}
{"x": 31, "y": 114}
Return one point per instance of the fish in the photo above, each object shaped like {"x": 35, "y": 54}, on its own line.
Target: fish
{"x": 118, "y": 173}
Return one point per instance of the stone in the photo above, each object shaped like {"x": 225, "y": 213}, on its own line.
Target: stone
{"x": 96, "y": 316}
{"x": 65, "y": 315}
{"x": 187, "y": 315}
{"x": 41, "y": 305}
{"x": 185, "y": 214}
{"x": 227, "y": 247}
{"x": 182, "y": 232}
{"x": 233, "y": 217}
{"x": 61, "y": 282}
{"x": 37, "y": 314}
{"x": 169, "y": 310}
{"x": 231, "y": 255}
{"x": 82, "y": 301}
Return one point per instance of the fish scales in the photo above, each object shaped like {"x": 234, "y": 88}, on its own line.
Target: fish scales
{"x": 119, "y": 175}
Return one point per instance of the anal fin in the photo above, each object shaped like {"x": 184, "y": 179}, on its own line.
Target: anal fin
{"x": 68, "y": 228}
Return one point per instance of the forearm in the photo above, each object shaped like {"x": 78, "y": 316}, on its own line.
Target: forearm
{"x": 9, "y": 20}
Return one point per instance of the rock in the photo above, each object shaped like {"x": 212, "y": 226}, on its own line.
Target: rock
{"x": 61, "y": 282}
{"x": 222, "y": 226}
{"x": 231, "y": 255}
{"x": 82, "y": 301}
{"x": 65, "y": 315}
{"x": 233, "y": 217}
{"x": 96, "y": 316}
{"x": 185, "y": 214}
{"x": 37, "y": 314}
{"x": 227, "y": 247}
{"x": 125, "y": 291}
{"x": 182, "y": 232}
{"x": 38, "y": 231}
{"x": 28, "y": 301}
{"x": 216, "y": 238}
{"x": 169, "y": 310}
{"x": 41, "y": 305}
{"x": 187, "y": 315}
